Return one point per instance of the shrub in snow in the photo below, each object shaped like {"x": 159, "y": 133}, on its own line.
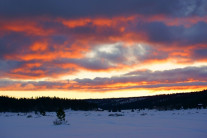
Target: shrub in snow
{"x": 114, "y": 110}
{"x": 60, "y": 122}
{"x": 61, "y": 114}
{"x": 60, "y": 118}
{"x": 29, "y": 116}
{"x": 42, "y": 113}
{"x": 143, "y": 114}
{"x": 36, "y": 112}
{"x": 116, "y": 114}
{"x": 57, "y": 122}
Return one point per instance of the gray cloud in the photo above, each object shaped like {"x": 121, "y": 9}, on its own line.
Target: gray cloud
{"x": 160, "y": 32}
{"x": 174, "y": 76}
{"x": 85, "y": 8}
{"x": 13, "y": 43}
{"x": 16, "y": 44}
{"x": 115, "y": 55}
{"x": 199, "y": 53}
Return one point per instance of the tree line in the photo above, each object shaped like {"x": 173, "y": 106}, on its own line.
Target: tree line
{"x": 46, "y": 104}
{"x": 159, "y": 102}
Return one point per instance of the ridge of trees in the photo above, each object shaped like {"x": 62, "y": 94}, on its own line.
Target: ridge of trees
{"x": 160, "y": 102}
{"x": 47, "y": 104}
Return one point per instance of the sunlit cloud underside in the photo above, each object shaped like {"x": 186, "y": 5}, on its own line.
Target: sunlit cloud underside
{"x": 99, "y": 49}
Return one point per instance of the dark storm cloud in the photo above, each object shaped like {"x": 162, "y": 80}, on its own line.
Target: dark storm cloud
{"x": 196, "y": 34}
{"x": 80, "y": 8}
{"x": 58, "y": 39}
{"x": 7, "y": 65}
{"x": 160, "y": 32}
{"x": 13, "y": 43}
{"x": 200, "y": 53}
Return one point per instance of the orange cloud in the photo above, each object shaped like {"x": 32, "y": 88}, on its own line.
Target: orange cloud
{"x": 39, "y": 46}
{"x": 28, "y": 26}
{"x": 77, "y": 42}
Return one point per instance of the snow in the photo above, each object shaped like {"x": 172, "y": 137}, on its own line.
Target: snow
{"x": 95, "y": 124}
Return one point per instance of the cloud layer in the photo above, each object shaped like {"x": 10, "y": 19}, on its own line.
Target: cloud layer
{"x": 50, "y": 39}
{"x": 189, "y": 76}
{"x": 80, "y": 8}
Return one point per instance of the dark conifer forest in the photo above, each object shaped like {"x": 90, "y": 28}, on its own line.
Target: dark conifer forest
{"x": 159, "y": 102}
{"x": 8, "y": 104}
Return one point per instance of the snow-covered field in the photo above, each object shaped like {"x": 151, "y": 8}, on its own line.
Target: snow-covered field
{"x": 96, "y": 124}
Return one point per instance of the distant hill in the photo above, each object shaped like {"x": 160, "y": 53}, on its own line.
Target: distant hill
{"x": 159, "y": 102}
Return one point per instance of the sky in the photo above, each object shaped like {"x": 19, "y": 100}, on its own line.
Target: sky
{"x": 101, "y": 49}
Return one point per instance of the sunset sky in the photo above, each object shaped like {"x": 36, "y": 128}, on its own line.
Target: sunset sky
{"x": 102, "y": 48}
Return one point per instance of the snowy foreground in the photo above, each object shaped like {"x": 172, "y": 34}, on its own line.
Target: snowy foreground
{"x": 96, "y": 124}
